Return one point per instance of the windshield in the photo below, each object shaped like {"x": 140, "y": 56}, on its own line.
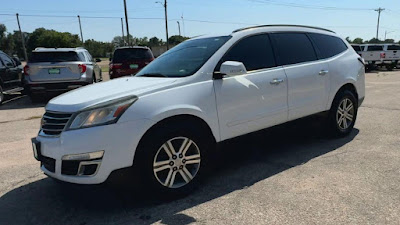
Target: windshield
{"x": 128, "y": 54}
{"x": 54, "y": 57}
{"x": 184, "y": 59}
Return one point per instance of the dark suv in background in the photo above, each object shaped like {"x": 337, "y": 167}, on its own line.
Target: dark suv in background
{"x": 129, "y": 60}
{"x": 10, "y": 75}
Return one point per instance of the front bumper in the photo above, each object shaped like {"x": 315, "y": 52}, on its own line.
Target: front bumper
{"x": 61, "y": 159}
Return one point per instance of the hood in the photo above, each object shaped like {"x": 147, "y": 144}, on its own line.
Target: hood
{"x": 105, "y": 91}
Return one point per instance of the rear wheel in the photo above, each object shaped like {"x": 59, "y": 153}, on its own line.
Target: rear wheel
{"x": 343, "y": 113}
{"x": 170, "y": 161}
{"x": 94, "y": 78}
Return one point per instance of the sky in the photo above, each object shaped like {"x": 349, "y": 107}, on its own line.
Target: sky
{"x": 353, "y": 18}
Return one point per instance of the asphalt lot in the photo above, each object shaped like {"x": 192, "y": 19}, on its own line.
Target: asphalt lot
{"x": 290, "y": 174}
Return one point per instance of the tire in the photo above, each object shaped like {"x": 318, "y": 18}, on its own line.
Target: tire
{"x": 94, "y": 79}
{"x": 1, "y": 95}
{"x": 341, "y": 122}
{"x": 153, "y": 149}
{"x": 390, "y": 68}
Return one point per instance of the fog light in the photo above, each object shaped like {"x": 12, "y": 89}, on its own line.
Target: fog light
{"x": 84, "y": 156}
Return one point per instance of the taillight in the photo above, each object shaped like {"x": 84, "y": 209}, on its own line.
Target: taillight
{"x": 26, "y": 70}
{"x": 82, "y": 68}
{"x": 383, "y": 55}
{"x": 115, "y": 65}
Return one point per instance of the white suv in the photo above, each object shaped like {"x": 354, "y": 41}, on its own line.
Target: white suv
{"x": 165, "y": 122}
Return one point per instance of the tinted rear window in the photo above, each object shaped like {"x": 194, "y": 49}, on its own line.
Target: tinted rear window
{"x": 328, "y": 46}
{"x": 121, "y": 55}
{"x": 394, "y": 47}
{"x": 356, "y": 48}
{"x": 54, "y": 57}
{"x": 254, "y": 52}
{"x": 375, "y": 48}
{"x": 293, "y": 48}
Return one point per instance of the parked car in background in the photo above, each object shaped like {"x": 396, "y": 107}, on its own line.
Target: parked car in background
{"x": 58, "y": 70}
{"x": 392, "y": 55}
{"x": 10, "y": 76}
{"x": 357, "y": 48}
{"x": 128, "y": 61}
{"x": 373, "y": 54}
{"x": 167, "y": 120}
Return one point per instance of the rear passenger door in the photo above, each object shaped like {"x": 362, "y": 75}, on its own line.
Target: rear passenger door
{"x": 308, "y": 78}
{"x": 257, "y": 99}
{"x": 11, "y": 74}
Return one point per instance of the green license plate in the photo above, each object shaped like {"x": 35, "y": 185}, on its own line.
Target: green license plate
{"x": 54, "y": 71}
{"x": 134, "y": 66}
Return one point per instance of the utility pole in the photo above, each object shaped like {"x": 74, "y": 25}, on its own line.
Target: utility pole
{"x": 22, "y": 39}
{"x": 127, "y": 24}
{"x": 166, "y": 22}
{"x": 379, "y": 17}
{"x": 183, "y": 25}
{"x": 122, "y": 26}
{"x": 179, "y": 28}
{"x": 80, "y": 27}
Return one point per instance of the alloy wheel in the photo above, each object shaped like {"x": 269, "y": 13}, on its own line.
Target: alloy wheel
{"x": 177, "y": 162}
{"x": 345, "y": 114}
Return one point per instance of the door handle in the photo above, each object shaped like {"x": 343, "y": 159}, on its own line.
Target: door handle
{"x": 276, "y": 81}
{"x": 323, "y": 72}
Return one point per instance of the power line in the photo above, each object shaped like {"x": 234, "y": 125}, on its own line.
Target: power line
{"x": 306, "y": 6}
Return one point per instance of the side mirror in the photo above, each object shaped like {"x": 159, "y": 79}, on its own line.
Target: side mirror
{"x": 110, "y": 59}
{"x": 16, "y": 60}
{"x": 233, "y": 68}
{"x": 98, "y": 60}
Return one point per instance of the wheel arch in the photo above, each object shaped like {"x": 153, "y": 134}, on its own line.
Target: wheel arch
{"x": 347, "y": 86}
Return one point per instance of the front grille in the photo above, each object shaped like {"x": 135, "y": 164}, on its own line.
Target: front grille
{"x": 53, "y": 123}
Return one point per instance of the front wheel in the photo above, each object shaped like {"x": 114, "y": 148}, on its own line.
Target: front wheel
{"x": 343, "y": 113}
{"x": 171, "y": 161}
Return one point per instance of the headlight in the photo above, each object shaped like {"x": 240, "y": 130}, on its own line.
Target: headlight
{"x": 102, "y": 114}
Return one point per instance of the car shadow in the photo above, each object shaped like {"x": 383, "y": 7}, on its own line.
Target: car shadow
{"x": 20, "y": 101}
{"x": 240, "y": 163}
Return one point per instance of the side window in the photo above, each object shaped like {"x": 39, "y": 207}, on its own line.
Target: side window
{"x": 394, "y": 47}
{"x": 82, "y": 56}
{"x": 293, "y": 48}
{"x": 7, "y": 60}
{"x": 328, "y": 46}
{"x": 254, "y": 52}
{"x": 89, "y": 57}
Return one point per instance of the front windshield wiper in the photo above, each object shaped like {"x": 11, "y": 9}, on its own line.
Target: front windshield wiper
{"x": 152, "y": 75}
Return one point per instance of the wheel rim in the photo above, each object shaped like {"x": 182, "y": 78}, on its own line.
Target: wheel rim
{"x": 345, "y": 114}
{"x": 177, "y": 162}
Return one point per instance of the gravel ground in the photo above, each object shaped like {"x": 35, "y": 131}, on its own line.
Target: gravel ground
{"x": 290, "y": 174}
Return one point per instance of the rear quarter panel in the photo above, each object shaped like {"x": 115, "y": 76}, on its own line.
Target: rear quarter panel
{"x": 346, "y": 69}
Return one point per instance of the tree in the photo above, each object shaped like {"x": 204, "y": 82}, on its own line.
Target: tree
{"x": 374, "y": 41}
{"x": 389, "y": 41}
{"x": 358, "y": 41}
{"x": 98, "y": 49}
{"x": 154, "y": 42}
{"x": 176, "y": 39}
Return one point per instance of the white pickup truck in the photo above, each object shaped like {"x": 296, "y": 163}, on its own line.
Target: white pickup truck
{"x": 373, "y": 54}
{"x": 392, "y": 55}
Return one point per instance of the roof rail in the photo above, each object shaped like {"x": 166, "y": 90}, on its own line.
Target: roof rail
{"x": 281, "y": 25}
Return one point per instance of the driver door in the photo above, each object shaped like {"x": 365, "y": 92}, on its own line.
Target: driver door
{"x": 256, "y": 99}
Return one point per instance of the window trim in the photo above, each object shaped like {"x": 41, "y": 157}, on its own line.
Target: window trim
{"x": 292, "y": 32}
{"x": 242, "y": 38}
{"x": 318, "y": 51}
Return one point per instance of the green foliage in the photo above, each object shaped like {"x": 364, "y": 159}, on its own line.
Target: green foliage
{"x": 176, "y": 39}
{"x": 97, "y": 48}
{"x": 358, "y": 41}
